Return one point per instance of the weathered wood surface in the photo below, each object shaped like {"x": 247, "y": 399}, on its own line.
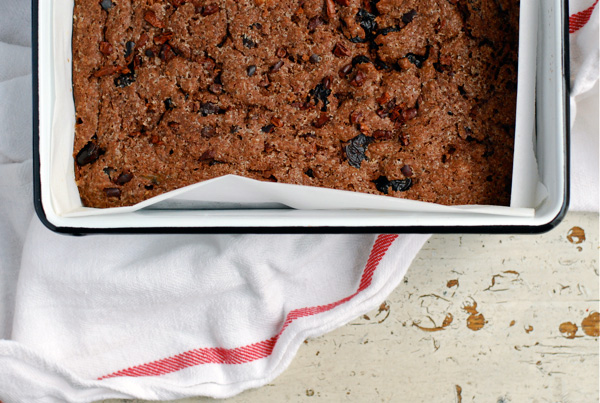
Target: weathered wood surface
{"x": 479, "y": 318}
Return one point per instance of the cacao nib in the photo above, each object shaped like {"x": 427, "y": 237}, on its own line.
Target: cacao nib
{"x": 106, "y": 5}
{"x": 344, "y": 71}
{"x": 89, "y": 154}
{"x": 340, "y": 50}
{"x": 124, "y": 178}
{"x": 407, "y": 171}
{"x": 276, "y": 67}
{"x": 112, "y": 192}
{"x": 208, "y": 108}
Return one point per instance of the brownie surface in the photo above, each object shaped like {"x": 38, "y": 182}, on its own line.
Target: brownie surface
{"x": 406, "y": 98}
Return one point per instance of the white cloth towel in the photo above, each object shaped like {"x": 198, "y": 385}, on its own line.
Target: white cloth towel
{"x": 167, "y": 317}
{"x": 584, "y": 104}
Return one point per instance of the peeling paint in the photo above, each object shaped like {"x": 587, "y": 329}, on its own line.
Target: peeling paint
{"x": 576, "y": 235}
{"x": 568, "y": 329}
{"x": 475, "y": 321}
{"x": 591, "y": 324}
{"x": 472, "y": 309}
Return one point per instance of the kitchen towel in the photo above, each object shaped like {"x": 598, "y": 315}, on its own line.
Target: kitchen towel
{"x": 166, "y": 317}
{"x": 584, "y": 41}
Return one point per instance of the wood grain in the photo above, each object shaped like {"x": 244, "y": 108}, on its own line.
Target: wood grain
{"x": 479, "y": 318}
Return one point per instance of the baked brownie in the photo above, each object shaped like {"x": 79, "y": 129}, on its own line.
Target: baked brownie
{"x": 406, "y": 98}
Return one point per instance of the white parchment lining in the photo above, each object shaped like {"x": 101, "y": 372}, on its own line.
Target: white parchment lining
{"x": 232, "y": 192}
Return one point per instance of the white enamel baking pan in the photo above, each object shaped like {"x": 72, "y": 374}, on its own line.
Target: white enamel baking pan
{"x": 551, "y": 121}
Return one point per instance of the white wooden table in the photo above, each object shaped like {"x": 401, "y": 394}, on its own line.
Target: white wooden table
{"x": 479, "y": 318}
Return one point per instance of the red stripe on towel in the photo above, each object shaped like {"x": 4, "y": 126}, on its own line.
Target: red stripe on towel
{"x": 256, "y": 351}
{"x": 578, "y": 20}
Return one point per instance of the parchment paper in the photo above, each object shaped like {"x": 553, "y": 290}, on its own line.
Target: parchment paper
{"x": 231, "y": 192}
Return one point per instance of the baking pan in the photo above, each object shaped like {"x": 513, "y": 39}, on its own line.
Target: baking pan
{"x": 551, "y": 120}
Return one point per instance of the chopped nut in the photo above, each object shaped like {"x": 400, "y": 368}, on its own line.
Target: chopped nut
{"x": 153, "y": 20}
{"x": 330, "y": 7}
{"x": 210, "y": 9}
{"x": 163, "y": 38}
{"x": 340, "y": 50}
{"x": 322, "y": 120}
{"x": 106, "y": 48}
{"x": 106, "y": 71}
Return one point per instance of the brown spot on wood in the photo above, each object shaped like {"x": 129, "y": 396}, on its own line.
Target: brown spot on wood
{"x": 568, "y": 329}
{"x": 576, "y": 235}
{"x": 512, "y": 323}
{"x": 384, "y": 307}
{"x": 529, "y": 329}
{"x": 452, "y": 283}
{"x": 447, "y": 321}
{"x": 458, "y": 394}
{"x": 366, "y": 317}
{"x": 475, "y": 321}
{"x": 591, "y": 324}
{"x": 310, "y": 392}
